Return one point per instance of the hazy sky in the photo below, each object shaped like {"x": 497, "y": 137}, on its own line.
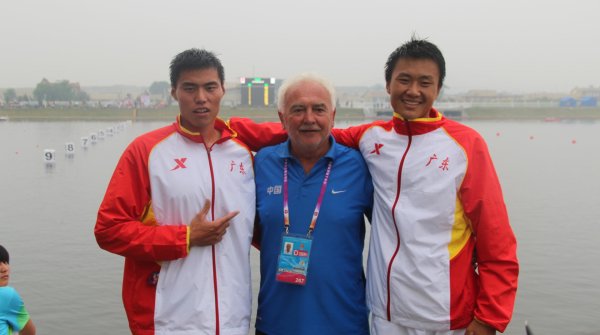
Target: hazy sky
{"x": 509, "y": 45}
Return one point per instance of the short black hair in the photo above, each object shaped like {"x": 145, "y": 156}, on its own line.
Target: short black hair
{"x": 417, "y": 49}
{"x": 3, "y": 255}
{"x": 195, "y": 59}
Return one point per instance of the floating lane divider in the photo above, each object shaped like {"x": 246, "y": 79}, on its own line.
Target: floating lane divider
{"x": 49, "y": 155}
{"x": 93, "y": 138}
{"x": 69, "y": 149}
{"x": 85, "y": 142}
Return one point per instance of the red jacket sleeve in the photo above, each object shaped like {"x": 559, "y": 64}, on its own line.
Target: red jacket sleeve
{"x": 125, "y": 224}
{"x": 495, "y": 243}
{"x": 348, "y": 136}
{"x": 257, "y": 135}
{"x": 351, "y": 136}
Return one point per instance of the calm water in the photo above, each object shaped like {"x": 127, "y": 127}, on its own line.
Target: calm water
{"x": 550, "y": 174}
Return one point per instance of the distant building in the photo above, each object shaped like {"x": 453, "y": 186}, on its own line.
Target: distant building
{"x": 588, "y": 101}
{"x": 567, "y": 102}
{"x": 482, "y": 95}
{"x": 372, "y": 100}
{"x": 378, "y": 99}
{"x": 580, "y": 92}
{"x": 259, "y": 91}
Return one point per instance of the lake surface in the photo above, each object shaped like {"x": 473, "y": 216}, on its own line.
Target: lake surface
{"x": 550, "y": 173}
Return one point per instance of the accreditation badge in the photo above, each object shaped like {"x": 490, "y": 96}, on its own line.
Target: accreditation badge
{"x": 293, "y": 259}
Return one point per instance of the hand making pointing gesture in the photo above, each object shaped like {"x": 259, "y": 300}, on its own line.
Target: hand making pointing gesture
{"x": 204, "y": 232}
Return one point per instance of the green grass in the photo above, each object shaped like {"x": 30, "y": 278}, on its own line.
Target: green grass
{"x": 117, "y": 114}
{"x": 270, "y": 114}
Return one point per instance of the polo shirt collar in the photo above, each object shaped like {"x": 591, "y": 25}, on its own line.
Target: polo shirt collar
{"x": 284, "y": 149}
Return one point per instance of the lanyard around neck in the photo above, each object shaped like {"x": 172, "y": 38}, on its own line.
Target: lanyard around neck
{"x": 286, "y": 209}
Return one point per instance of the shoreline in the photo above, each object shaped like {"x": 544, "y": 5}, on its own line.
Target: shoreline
{"x": 547, "y": 114}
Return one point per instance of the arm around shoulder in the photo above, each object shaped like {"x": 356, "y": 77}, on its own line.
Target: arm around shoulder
{"x": 257, "y": 135}
{"x": 351, "y": 136}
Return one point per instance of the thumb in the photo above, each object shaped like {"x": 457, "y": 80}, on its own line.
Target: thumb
{"x": 204, "y": 211}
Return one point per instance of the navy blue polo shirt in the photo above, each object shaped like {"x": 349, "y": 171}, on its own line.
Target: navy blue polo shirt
{"x": 333, "y": 299}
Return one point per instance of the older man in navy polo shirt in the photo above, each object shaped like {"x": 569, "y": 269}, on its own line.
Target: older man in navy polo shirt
{"x": 312, "y": 198}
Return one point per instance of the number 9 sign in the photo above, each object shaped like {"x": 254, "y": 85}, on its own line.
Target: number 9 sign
{"x": 49, "y": 156}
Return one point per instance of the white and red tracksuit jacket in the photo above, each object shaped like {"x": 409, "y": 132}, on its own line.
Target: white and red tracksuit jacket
{"x": 160, "y": 183}
{"x": 438, "y": 206}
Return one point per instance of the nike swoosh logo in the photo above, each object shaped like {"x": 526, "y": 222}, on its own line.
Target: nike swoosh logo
{"x": 336, "y": 192}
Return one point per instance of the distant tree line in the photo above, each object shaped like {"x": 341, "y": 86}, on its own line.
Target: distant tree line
{"x": 10, "y": 95}
{"x": 61, "y": 90}
{"x": 160, "y": 87}
{"x": 47, "y": 92}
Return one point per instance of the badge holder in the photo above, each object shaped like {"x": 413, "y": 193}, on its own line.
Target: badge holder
{"x": 293, "y": 259}
{"x": 292, "y": 264}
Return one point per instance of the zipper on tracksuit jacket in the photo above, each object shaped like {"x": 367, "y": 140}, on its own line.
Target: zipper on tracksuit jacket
{"x": 399, "y": 184}
{"x": 214, "y": 257}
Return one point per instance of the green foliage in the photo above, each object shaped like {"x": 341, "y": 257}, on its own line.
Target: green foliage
{"x": 160, "y": 87}
{"x": 82, "y": 96}
{"x": 10, "y": 95}
{"x": 59, "y": 91}
{"x": 23, "y": 97}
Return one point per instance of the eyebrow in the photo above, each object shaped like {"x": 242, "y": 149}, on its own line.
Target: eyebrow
{"x": 407, "y": 75}
{"x": 187, "y": 83}
{"x": 312, "y": 105}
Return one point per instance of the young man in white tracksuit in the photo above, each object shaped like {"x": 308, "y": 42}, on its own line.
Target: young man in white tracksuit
{"x": 442, "y": 256}
{"x": 180, "y": 208}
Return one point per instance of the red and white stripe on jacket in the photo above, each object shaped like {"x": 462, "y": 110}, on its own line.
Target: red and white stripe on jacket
{"x": 438, "y": 205}
{"x": 160, "y": 183}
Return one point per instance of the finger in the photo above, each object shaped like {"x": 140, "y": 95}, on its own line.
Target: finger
{"x": 219, "y": 237}
{"x": 230, "y": 216}
{"x": 204, "y": 211}
{"x": 224, "y": 220}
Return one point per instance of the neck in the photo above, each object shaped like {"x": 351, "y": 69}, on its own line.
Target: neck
{"x": 210, "y": 136}
{"x": 209, "y": 133}
{"x": 308, "y": 158}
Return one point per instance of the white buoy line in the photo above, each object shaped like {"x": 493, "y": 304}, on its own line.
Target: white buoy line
{"x": 86, "y": 141}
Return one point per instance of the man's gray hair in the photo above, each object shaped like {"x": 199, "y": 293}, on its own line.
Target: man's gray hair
{"x": 304, "y": 77}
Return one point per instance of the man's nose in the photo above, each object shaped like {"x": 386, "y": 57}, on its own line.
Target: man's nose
{"x": 413, "y": 88}
{"x": 200, "y": 96}
{"x": 310, "y": 116}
